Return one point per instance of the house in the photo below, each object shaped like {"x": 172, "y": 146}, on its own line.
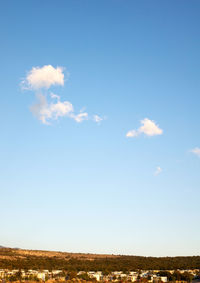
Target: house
{"x": 97, "y": 275}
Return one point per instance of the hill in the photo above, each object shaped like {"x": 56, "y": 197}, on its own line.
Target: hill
{"x": 36, "y": 259}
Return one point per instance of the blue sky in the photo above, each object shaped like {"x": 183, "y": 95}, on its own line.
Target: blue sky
{"x": 84, "y": 186}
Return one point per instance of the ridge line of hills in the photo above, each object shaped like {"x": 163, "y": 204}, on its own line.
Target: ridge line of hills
{"x": 12, "y": 258}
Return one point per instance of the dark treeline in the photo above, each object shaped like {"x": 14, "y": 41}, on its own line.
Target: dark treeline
{"x": 123, "y": 263}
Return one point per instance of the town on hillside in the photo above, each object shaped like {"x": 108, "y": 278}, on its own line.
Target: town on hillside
{"x": 142, "y": 276}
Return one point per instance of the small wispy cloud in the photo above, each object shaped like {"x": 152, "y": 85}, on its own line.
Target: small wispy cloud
{"x": 54, "y": 96}
{"x": 46, "y": 111}
{"x": 132, "y": 134}
{"x": 196, "y": 151}
{"x": 148, "y": 127}
{"x": 157, "y": 171}
{"x": 49, "y": 105}
{"x": 97, "y": 118}
{"x": 80, "y": 117}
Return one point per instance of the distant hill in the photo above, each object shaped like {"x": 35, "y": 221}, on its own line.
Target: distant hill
{"x": 2, "y": 247}
{"x": 36, "y": 259}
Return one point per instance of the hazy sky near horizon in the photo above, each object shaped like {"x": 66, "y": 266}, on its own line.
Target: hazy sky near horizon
{"x": 100, "y": 139}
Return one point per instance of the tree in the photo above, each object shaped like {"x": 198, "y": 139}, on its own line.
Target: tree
{"x": 84, "y": 276}
{"x": 19, "y": 275}
{"x": 72, "y": 274}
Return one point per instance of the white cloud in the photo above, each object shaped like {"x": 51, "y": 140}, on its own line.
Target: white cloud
{"x": 132, "y": 134}
{"x": 148, "y": 128}
{"x": 49, "y": 105}
{"x": 54, "y": 96}
{"x": 45, "y": 111}
{"x": 97, "y": 118}
{"x": 158, "y": 171}
{"x": 80, "y": 117}
{"x": 43, "y": 77}
{"x": 196, "y": 151}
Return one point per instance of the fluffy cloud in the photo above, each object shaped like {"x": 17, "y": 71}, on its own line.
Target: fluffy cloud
{"x": 148, "y": 127}
{"x": 45, "y": 111}
{"x": 196, "y": 151}
{"x": 158, "y": 171}
{"x": 43, "y": 77}
{"x": 49, "y": 105}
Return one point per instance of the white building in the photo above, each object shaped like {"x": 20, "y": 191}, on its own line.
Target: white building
{"x": 97, "y": 275}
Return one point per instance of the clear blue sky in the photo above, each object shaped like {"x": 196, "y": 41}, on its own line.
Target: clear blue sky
{"x": 86, "y": 187}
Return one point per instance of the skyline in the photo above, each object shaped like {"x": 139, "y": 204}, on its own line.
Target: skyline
{"x": 100, "y": 148}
